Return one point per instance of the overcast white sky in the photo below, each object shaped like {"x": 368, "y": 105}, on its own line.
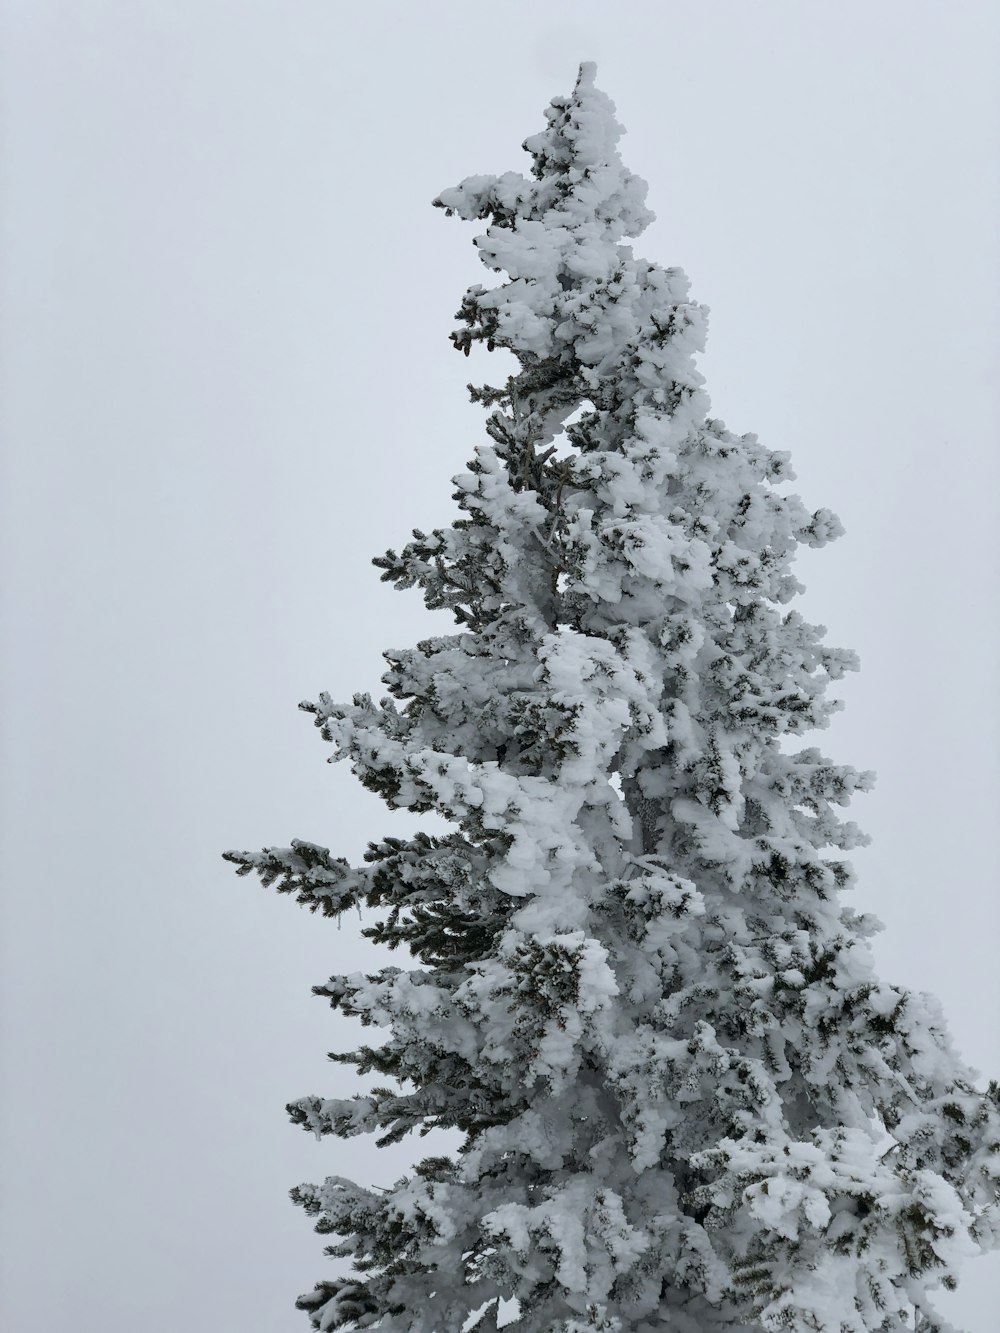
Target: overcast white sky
{"x": 227, "y": 384}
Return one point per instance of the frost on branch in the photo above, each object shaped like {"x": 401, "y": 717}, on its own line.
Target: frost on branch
{"x": 683, "y": 1099}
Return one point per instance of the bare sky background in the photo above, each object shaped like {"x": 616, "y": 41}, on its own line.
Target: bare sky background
{"x": 227, "y": 384}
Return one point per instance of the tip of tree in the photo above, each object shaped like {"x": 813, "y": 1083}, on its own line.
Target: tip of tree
{"x": 587, "y": 75}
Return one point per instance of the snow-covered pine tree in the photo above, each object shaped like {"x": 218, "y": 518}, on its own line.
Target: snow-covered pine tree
{"x": 685, "y": 1101}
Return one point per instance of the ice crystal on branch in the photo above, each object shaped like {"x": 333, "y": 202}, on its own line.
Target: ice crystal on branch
{"x": 685, "y": 1100}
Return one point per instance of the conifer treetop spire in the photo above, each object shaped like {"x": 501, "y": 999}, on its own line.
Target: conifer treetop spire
{"x": 587, "y": 75}
{"x": 583, "y": 132}
{"x": 556, "y": 232}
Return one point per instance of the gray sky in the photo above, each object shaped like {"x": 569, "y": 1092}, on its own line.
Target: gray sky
{"x": 227, "y": 384}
